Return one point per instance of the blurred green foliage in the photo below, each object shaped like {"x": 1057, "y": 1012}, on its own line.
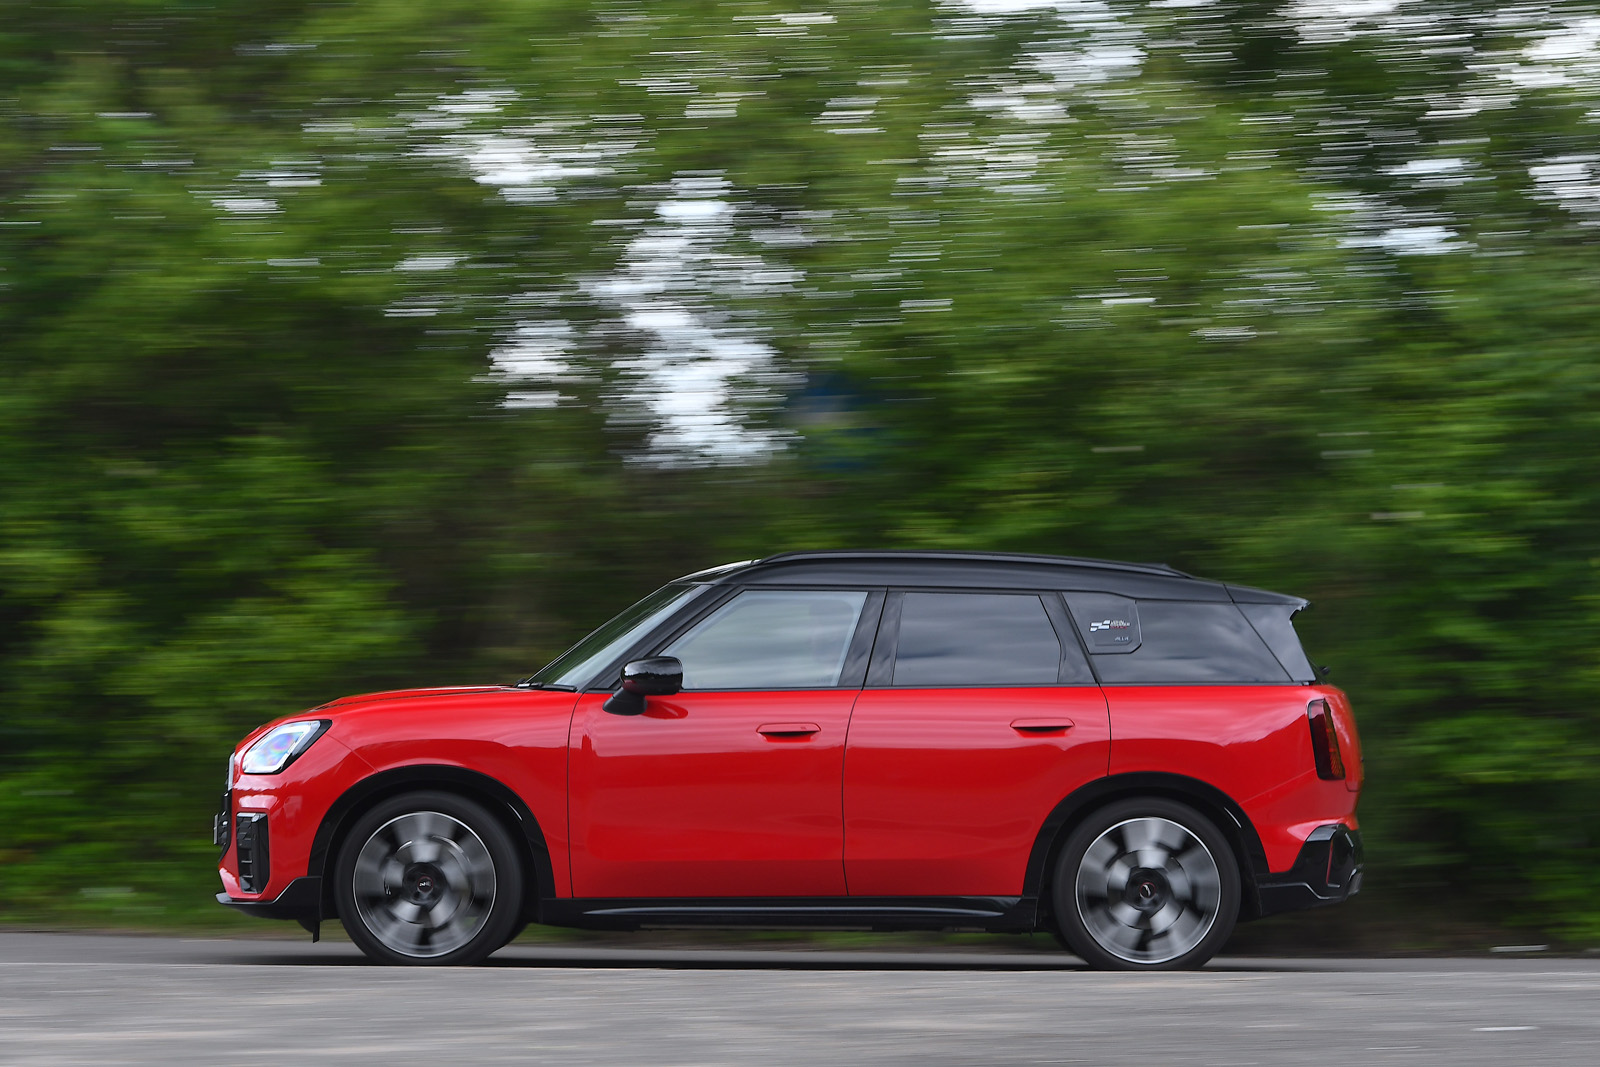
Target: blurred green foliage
{"x": 355, "y": 344}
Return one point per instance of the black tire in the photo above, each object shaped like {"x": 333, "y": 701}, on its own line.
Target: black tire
{"x": 428, "y": 879}
{"x": 1146, "y": 884}
{"x": 516, "y": 931}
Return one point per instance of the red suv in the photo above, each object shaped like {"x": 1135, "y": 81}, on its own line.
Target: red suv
{"x": 1121, "y": 753}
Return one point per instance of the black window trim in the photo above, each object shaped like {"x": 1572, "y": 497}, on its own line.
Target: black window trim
{"x": 1055, "y": 606}
{"x": 880, "y": 674}
{"x": 859, "y": 657}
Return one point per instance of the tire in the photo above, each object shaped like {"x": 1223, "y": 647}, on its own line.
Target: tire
{"x": 1146, "y": 884}
{"x": 428, "y": 879}
{"x": 516, "y": 931}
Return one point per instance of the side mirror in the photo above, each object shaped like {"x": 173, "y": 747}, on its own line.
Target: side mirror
{"x": 658, "y": 676}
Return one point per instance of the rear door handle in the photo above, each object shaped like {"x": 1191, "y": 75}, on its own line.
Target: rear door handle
{"x": 1041, "y": 726}
{"x": 788, "y": 729}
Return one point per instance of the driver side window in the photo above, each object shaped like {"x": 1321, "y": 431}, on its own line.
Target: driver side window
{"x": 771, "y": 639}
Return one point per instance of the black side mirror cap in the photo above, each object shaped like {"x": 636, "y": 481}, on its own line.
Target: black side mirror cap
{"x": 658, "y": 676}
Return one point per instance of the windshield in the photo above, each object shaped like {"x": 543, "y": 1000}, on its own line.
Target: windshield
{"x": 578, "y": 664}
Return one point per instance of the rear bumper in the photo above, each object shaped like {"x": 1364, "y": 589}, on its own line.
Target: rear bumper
{"x": 300, "y": 900}
{"x": 1327, "y": 871}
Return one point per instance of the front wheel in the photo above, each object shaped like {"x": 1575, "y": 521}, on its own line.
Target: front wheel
{"x": 1146, "y": 885}
{"x": 428, "y": 878}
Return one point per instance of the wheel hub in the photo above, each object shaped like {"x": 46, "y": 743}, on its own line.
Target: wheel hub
{"x": 1148, "y": 890}
{"x": 422, "y": 884}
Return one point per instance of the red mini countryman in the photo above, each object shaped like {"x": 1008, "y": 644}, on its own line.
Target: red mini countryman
{"x": 1120, "y": 753}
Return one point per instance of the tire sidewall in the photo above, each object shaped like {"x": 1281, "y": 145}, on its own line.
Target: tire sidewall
{"x": 1064, "y": 897}
{"x": 503, "y": 914}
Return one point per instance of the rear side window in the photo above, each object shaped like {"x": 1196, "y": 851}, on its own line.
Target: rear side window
{"x": 789, "y": 639}
{"x": 1180, "y": 641}
{"x": 974, "y": 639}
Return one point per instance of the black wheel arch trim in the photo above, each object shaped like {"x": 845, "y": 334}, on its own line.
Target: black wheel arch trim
{"x": 1229, "y": 817}
{"x": 491, "y": 792}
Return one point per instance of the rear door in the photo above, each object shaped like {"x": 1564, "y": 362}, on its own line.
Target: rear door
{"x": 979, "y": 716}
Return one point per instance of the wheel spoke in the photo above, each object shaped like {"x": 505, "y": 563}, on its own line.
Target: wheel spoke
{"x": 1140, "y": 834}
{"x": 1126, "y": 937}
{"x": 405, "y": 911}
{"x": 1117, "y": 875}
{"x": 1204, "y": 879}
{"x": 1180, "y": 882}
{"x": 1167, "y": 916}
{"x": 375, "y": 873}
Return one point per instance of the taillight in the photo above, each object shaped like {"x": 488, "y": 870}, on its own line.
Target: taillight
{"x": 1324, "y": 740}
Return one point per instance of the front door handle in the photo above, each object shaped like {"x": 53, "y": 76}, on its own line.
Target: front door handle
{"x": 788, "y": 729}
{"x": 1041, "y": 726}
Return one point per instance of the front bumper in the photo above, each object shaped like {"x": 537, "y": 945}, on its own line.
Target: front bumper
{"x": 301, "y": 901}
{"x": 1327, "y": 871}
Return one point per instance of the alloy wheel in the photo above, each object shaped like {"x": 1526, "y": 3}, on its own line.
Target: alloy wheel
{"x": 1148, "y": 890}
{"x": 424, "y": 884}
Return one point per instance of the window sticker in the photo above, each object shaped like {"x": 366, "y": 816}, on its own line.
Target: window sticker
{"x": 1109, "y": 624}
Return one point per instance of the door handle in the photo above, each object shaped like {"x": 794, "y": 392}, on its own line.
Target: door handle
{"x": 788, "y": 729}
{"x": 1041, "y": 726}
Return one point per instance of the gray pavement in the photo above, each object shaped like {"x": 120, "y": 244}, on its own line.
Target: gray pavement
{"x": 78, "y": 999}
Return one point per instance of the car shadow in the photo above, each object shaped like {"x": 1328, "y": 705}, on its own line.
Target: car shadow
{"x": 526, "y": 958}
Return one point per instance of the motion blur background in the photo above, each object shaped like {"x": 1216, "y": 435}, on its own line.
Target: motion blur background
{"x": 349, "y": 344}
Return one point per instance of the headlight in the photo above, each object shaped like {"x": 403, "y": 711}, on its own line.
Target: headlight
{"x": 281, "y": 746}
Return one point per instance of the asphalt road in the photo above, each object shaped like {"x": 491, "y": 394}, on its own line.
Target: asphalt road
{"x": 70, "y": 999}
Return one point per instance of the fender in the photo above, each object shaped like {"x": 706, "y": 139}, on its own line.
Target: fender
{"x": 1216, "y": 805}
{"x": 492, "y": 793}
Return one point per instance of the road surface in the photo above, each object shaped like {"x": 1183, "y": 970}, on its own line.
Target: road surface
{"x": 77, "y": 999}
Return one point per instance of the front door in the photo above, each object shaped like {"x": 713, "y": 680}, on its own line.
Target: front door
{"x": 732, "y": 787}
{"x": 980, "y": 717}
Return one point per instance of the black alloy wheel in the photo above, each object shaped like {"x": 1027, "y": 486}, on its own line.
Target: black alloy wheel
{"x": 1146, "y": 884}
{"x": 428, "y": 878}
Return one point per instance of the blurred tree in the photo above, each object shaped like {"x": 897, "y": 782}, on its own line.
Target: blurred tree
{"x": 354, "y": 344}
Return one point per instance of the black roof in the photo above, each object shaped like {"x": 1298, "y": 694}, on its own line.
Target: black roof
{"x": 983, "y": 570}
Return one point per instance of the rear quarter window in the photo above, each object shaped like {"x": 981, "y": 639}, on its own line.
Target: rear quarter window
{"x": 1181, "y": 641}
{"x": 1273, "y": 623}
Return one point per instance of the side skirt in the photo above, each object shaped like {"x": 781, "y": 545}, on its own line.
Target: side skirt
{"x": 993, "y": 914}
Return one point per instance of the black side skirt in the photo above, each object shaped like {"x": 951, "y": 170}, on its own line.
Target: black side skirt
{"x": 997, "y": 914}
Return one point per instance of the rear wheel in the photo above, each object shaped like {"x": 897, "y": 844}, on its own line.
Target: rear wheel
{"x": 1146, "y": 885}
{"x": 428, "y": 878}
